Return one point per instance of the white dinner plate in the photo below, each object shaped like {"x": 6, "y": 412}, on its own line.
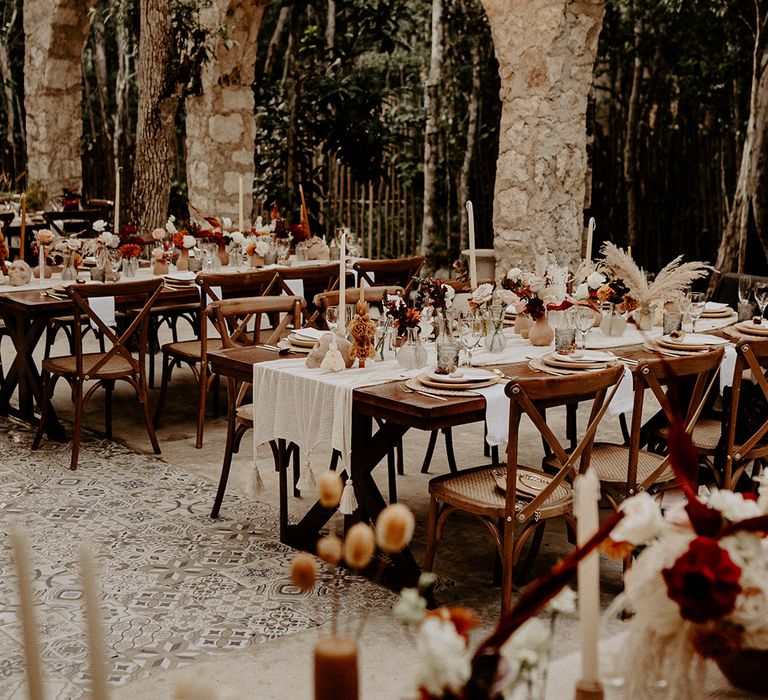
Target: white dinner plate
{"x": 463, "y": 376}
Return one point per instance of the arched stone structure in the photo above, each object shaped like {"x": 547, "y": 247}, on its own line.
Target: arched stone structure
{"x": 54, "y": 34}
{"x": 221, "y": 128}
{"x": 546, "y": 51}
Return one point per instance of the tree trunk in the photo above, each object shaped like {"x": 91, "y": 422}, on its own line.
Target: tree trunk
{"x": 330, "y": 31}
{"x": 431, "y": 140}
{"x": 159, "y": 96}
{"x": 274, "y": 42}
{"x": 8, "y": 98}
{"x": 469, "y": 150}
{"x": 731, "y": 253}
{"x": 630, "y": 141}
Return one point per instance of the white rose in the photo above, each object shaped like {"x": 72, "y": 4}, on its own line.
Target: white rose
{"x": 582, "y": 291}
{"x": 595, "y": 280}
{"x": 450, "y": 293}
{"x": 99, "y": 225}
{"x": 444, "y": 659}
{"x": 410, "y": 608}
{"x": 73, "y": 244}
{"x": 226, "y": 222}
{"x": 482, "y": 294}
{"x": 189, "y": 241}
{"x": 238, "y": 238}
{"x": 564, "y": 602}
{"x": 507, "y": 298}
{"x": 514, "y": 274}
{"x": 158, "y": 234}
{"x": 642, "y": 520}
{"x": 169, "y": 225}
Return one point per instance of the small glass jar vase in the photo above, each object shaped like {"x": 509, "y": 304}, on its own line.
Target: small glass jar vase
{"x": 235, "y": 256}
{"x": 644, "y": 317}
{"x": 412, "y": 354}
{"x": 130, "y": 266}
{"x": 614, "y": 322}
{"x": 446, "y": 344}
{"x": 494, "y": 339}
{"x": 68, "y": 271}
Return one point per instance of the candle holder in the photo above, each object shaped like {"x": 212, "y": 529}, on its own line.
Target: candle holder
{"x": 588, "y": 691}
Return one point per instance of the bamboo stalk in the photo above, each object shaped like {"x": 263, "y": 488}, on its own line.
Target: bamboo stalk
{"x": 370, "y": 218}
{"x": 378, "y": 218}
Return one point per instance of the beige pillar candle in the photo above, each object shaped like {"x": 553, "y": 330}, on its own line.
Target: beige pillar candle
{"x": 26, "y": 612}
{"x": 472, "y": 254}
{"x": 586, "y": 498}
{"x": 336, "y": 675}
{"x": 98, "y": 662}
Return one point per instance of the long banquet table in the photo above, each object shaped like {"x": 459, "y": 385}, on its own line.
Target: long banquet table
{"x": 395, "y": 412}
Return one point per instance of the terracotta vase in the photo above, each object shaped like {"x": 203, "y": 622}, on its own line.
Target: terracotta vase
{"x": 222, "y": 254}
{"x": 160, "y": 267}
{"x": 541, "y": 333}
{"x": 182, "y": 264}
{"x": 336, "y": 674}
{"x": 746, "y": 670}
{"x": 523, "y": 324}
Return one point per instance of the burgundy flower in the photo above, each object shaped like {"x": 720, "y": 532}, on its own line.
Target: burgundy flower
{"x": 703, "y": 581}
{"x": 717, "y": 642}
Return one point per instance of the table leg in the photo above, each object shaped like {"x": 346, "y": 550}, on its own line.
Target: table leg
{"x": 25, "y": 333}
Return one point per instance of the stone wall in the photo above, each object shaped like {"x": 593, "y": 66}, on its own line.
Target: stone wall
{"x": 54, "y": 32}
{"x": 221, "y": 129}
{"x": 546, "y": 51}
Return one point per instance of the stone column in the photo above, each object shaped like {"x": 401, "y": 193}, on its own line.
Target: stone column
{"x": 221, "y": 129}
{"x": 546, "y": 51}
{"x": 54, "y": 34}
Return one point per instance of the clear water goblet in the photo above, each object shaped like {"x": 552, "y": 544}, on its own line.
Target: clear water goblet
{"x": 698, "y": 301}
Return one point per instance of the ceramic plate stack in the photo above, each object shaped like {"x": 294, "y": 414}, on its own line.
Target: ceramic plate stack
{"x": 717, "y": 310}
{"x": 304, "y": 339}
{"x": 461, "y": 380}
{"x": 586, "y": 360}
{"x": 180, "y": 278}
{"x": 511, "y": 313}
{"x": 687, "y": 344}
{"x": 751, "y": 328}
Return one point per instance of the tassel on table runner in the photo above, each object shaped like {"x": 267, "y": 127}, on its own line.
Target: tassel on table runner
{"x": 348, "y": 502}
{"x": 307, "y": 483}
{"x": 256, "y": 485}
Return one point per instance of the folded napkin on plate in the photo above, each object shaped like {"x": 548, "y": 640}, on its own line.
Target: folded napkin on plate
{"x": 310, "y": 333}
{"x": 715, "y": 306}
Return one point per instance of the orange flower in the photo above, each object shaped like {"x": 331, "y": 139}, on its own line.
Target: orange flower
{"x": 463, "y": 619}
{"x": 616, "y": 550}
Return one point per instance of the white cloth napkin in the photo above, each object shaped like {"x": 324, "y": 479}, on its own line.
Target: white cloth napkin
{"x": 624, "y": 398}
{"x": 727, "y": 367}
{"x": 104, "y": 308}
{"x": 713, "y": 306}
{"x": 296, "y": 286}
{"x": 496, "y": 414}
{"x": 216, "y": 291}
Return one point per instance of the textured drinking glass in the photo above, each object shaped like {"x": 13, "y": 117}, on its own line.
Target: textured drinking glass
{"x": 745, "y": 288}
{"x": 447, "y": 358}
{"x": 565, "y": 340}
{"x": 746, "y": 310}
{"x": 584, "y": 320}
{"x": 672, "y": 321}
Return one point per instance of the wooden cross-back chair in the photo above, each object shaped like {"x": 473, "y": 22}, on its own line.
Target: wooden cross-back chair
{"x": 626, "y": 469}
{"x": 398, "y": 271}
{"x": 79, "y": 221}
{"x": 752, "y": 356}
{"x": 194, "y": 353}
{"x": 116, "y": 363}
{"x": 232, "y": 319}
{"x": 316, "y": 279}
{"x": 476, "y": 491}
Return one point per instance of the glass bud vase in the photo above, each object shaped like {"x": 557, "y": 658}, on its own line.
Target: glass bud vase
{"x": 130, "y": 266}
{"x": 412, "y": 354}
{"x": 494, "y": 339}
{"x": 445, "y": 343}
{"x": 68, "y": 272}
{"x": 613, "y": 324}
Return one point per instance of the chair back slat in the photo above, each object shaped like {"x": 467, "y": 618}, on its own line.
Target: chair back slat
{"x": 232, "y": 316}
{"x": 373, "y": 295}
{"x": 399, "y": 271}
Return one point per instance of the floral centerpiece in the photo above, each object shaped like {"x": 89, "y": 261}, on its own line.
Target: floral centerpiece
{"x": 130, "y": 253}
{"x": 260, "y": 249}
{"x": 699, "y": 588}
{"x": 631, "y": 286}
{"x": 184, "y": 242}
{"x": 402, "y": 316}
{"x": 3, "y": 255}
{"x": 99, "y": 248}
{"x": 235, "y": 247}
{"x": 435, "y": 300}
{"x": 411, "y": 353}
{"x": 67, "y": 250}
{"x": 43, "y": 246}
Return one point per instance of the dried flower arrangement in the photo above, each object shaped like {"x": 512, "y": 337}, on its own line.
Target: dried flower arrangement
{"x": 403, "y": 317}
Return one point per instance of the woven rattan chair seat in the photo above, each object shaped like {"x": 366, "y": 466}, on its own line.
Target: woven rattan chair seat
{"x": 116, "y": 366}
{"x": 475, "y": 491}
{"x": 706, "y": 434}
{"x": 610, "y": 462}
{"x": 191, "y": 349}
{"x": 245, "y": 413}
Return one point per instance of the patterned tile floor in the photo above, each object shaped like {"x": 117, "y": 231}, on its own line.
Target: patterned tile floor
{"x": 176, "y": 585}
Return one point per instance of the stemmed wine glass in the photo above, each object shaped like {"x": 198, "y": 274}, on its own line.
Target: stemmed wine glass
{"x": 761, "y": 296}
{"x": 698, "y": 301}
{"x": 470, "y": 333}
{"x": 584, "y": 320}
{"x": 332, "y": 318}
{"x": 745, "y": 288}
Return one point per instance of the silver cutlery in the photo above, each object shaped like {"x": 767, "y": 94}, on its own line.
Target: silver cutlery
{"x": 408, "y": 390}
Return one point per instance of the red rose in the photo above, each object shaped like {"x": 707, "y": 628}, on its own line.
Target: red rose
{"x": 704, "y": 581}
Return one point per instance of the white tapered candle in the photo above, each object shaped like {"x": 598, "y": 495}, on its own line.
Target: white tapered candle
{"x": 240, "y": 218}
{"x": 472, "y": 254}
{"x": 342, "y": 284}
{"x": 590, "y": 233}
{"x": 26, "y": 612}
{"x": 98, "y": 662}
{"x": 117, "y": 201}
{"x": 586, "y": 498}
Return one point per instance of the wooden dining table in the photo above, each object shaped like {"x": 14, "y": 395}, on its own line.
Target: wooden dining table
{"x": 26, "y": 314}
{"x": 381, "y": 415}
